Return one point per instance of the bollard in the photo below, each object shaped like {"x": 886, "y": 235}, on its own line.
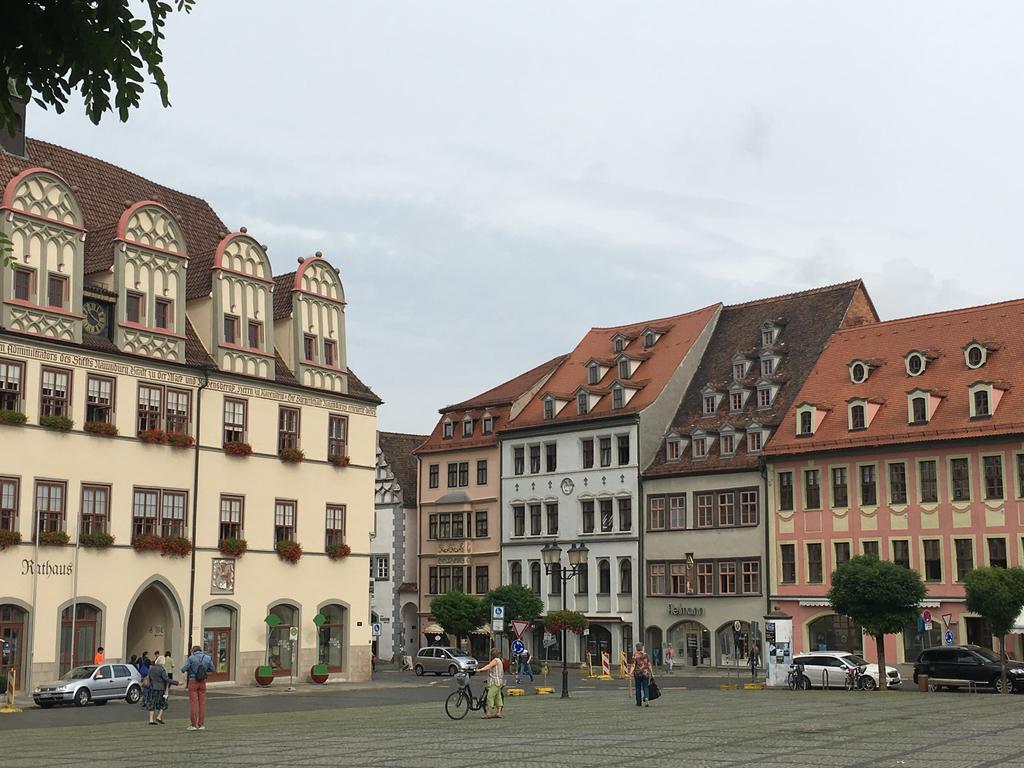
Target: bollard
{"x": 922, "y": 683}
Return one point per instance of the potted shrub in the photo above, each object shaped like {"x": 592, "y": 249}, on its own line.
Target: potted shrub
{"x": 7, "y": 538}
{"x": 291, "y": 455}
{"x": 58, "y": 423}
{"x": 232, "y": 547}
{"x": 339, "y": 460}
{"x": 12, "y": 418}
{"x": 154, "y": 436}
{"x": 53, "y": 538}
{"x": 175, "y": 546}
{"x": 556, "y": 621}
{"x": 96, "y": 540}
{"x": 237, "y": 448}
{"x": 339, "y": 551}
{"x": 264, "y": 675}
{"x": 289, "y": 551}
{"x": 104, "y": 428}
{"x": 318, "y": 674}
{"x": 147, "y": 542}
{"x": 180, "y": 439}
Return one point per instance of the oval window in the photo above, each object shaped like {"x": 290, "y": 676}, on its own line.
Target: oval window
{"x": 858, "y": 372}
{"x": 915, "y": 365}
{"x": 975, "y": 356}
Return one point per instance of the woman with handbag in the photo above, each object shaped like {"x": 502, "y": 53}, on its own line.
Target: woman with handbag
{"x": 640, "y": 669}
{"x": 156, "y": 694}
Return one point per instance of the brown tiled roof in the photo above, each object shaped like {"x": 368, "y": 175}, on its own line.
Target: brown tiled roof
{"x": 398, "y": 450}
{"x": 944, "y": 334}
{"x": 807, "y": 319}
{"x": 198, "y": 280}
{"x": 195, "y": 352}
{"x": 664, "y": 358}
{"x": 283, "y": 285}
{"x": 497, "y": 402}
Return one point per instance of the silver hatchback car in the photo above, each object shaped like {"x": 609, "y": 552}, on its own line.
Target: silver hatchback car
{"x": 442, "y": 659}
{"x": 90, "y": 682}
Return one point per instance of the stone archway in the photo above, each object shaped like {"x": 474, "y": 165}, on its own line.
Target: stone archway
{"x": 154, "y": 621}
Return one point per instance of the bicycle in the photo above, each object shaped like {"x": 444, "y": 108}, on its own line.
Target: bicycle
{"x": 796, "y": 680}
{"x": 460, "y": 702}
{"x": 854, "y": 678}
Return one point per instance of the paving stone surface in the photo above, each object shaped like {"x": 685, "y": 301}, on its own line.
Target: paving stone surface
{"x": 594, "y": 728}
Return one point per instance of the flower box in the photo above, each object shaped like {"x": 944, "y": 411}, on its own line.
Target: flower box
{"x": 153, "y": 436}
{"x": 291, "y": 455}
{"x": 53, "y": 538}
{"x": 7, "y": 538}
{"x": 175, "y": 546}
{"x": 289, "y": 551}
{"x": 103, "y": 428}
{"x": 339, "y": 460}
{"x": 12, "y": 418}
{"x": 264, "y": 676}
{"x": 339, "y": 551}
{"x": 58, "y": 423}
{"x": 180, "y": 440}
{"x": 319, "y": 674}
{"x": 233, "y": 547}
{"x": 238, "y": 449}
{"x": 147, "y": 542}
{"x": 96, "y": 540}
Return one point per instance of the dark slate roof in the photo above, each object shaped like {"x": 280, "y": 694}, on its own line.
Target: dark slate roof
{"x": 283, "y": 285}
{"x": 807, "y": 319}
{"x": 397, "y": 448}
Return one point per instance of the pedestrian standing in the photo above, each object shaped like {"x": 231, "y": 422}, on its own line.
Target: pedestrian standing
{"x": 134, "y": 661}
{"x": 197, "y": 667}
{"x": 524, "y": 666}
{"x": 656, "y": 654}
{"x": 144, "y": 664}
{"x": 670, "y": 656}
{"x": 169, "y": 666}
{"x": 754, "y": 660}
{"x": 642, "y": 674}
{"x": 156, "y": 694}
{"x": 98, "y": 657}
{"x": 495, "y": 682}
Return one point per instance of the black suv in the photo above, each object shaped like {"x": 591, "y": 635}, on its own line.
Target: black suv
{"x": 968, "y": 662}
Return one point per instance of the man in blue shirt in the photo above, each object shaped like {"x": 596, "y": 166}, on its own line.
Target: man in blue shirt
{"x": 197, "y": 666}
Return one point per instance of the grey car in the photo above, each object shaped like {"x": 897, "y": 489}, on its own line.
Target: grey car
{"x": 439, "y": 658}
{"x": 91, "y": 682}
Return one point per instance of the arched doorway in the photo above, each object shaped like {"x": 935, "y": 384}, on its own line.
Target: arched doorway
{"x": 220, "y": 627}
{"x": 653, "y": 641}
{"x": 79, "y": 635}
{"x": 154, "y": 621}
{"x": 281, "y": 651}
{"x": 408, "y": 636}
{"x": 732, "y": 646}
{"x": 597, "y": 642}
{"x": 13, "y": 621}
{"x": 332, "y": 638}
{"x": 692, "y": 643}
{"x": 835, "y": 633}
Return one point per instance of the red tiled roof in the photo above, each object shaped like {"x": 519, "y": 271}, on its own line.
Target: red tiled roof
{"x": 663, "y": 359}
{"x": 807, "y": 320}
{"x": 945, "y": 335}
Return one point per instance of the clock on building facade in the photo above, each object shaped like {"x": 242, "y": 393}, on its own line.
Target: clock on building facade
{"x": 96, "y": 318}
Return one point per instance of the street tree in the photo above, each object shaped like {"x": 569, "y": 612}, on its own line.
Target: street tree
{"x": 520, "y": 603}
{"x": 997, "y": 595}
{"x": 458, "y": 613}
{"x": 51, "y": 48}
{"x": 880, "y": 596}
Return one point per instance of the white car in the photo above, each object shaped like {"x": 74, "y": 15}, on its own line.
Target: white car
{"x": 829, "y": 669}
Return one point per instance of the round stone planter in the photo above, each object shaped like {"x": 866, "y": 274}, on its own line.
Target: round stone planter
{"x": 264, "y": 676}
{"x": 318, "y": 674}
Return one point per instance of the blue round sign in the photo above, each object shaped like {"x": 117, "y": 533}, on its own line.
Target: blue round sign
{"x": 949, "y": 637}
{"x": 518, "y": 646}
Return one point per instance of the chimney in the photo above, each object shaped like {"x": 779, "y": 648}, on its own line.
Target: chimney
{"x": 15, "y": 144}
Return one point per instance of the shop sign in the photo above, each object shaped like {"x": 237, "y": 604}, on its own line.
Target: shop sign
{"x": 32, "y": 568}
{"x": 685, "y": 610}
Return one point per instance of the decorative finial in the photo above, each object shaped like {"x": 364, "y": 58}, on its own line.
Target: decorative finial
{"x": 243, "y": 230}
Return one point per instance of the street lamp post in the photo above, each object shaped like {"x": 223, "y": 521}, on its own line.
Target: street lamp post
{"x": 552, "y": 555}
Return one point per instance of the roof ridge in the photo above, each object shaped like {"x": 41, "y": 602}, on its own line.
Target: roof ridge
{"x": 477, "y": 401}
{"x": 796, "y": 294}
{"x": 402, "y": 434}
{"x": 942, "y": 313}
{"x": 657, "y": 319}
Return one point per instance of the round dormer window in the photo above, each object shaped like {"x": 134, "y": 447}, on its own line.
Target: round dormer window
{"x": 915, "y": 365}
{"x": 975, "y": 356}
{"x": 858, "y": 373}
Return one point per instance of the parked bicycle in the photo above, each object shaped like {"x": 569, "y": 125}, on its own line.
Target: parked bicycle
{"x": 855, "y": 678}
{"x": 796, "y": 680}
{"x": 460, "y": 702}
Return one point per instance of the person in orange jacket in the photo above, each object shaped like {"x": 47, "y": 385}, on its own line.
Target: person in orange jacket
{"x": 98, "y": 657}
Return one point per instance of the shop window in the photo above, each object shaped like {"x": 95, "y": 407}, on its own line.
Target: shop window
{"x": 280, "y": 649}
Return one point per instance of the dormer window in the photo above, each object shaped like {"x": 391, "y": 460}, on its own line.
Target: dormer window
{"x": 467, "y": 427}
{"x": 487, "y": 426}
{"x": 700, "y": 447}
{"x": 858, "y": 419}
{"x": 649, "y": 339}
{"x": 618, "y": 397}
{"x": 915, "y": 363}
{"x": 981, "y": 403}
{"x": 984, "y": 398}
{"x": 549, "y": 408}
{"x": 919, "y": 409}
{"x": 859, "y": 372}
{"x": 736, "y": 401}
{"x": 728, "y": 443}
{"x": 769, "y": 332}
{"x": 582, "y": 403}
{"x": 618, "y": 343}
{"x": 975, "y": 355}
{"x": 448, "y": 429}
{"x": 806, "y": 423}
{"x": 738, "y": 370}
{"x": 754, "y": 439}
{"x": 764, "y": 397}
{"x": 624, "y": 366}
{"x": 673, "y": 449}
{"x": 767, "y": 366}
{"x": 710, "y": 404}
{"x": 593, "y": 373}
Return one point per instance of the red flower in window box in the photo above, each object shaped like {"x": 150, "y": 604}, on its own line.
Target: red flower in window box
{"x": 96, "y": 540}
{"x": 154, "y": 436}
{"x": 290, "y": 551}
{"x": 7, "y": 538}
{"x": 233, "y": 547}
{"x": 175, "y": 546}
{"x": 12, "y": 418}
{"x": 237, "y": 449}
{"x": 53, "y": 538}
{"x": 339, "y": 460}
{"x": 180, "y": 439}
{"x": 147, "y": 542}
{"x": 291, "y": 455}
{"x": 104, "y": 428}
{"x": 574, "y": 621}
{"x": 339, "y": 551}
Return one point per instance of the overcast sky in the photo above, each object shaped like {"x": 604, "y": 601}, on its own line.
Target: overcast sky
{"x": 495, "y": 178}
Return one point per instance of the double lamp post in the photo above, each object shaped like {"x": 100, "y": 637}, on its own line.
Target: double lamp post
{"x": 552, "y": 556}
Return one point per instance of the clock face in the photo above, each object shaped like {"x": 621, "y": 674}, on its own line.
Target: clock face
{"x": 95, "y": 318}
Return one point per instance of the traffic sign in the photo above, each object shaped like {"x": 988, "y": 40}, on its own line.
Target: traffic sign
{"x": 519, "y": 626}
{"x": 947, "y": 619}
{"x": 737, "y": 626}
{"x": 549, "y": 639}
{"x": 375, "y": 627}
{"x": 497, "y": 625}
{"x": 497, "y": 611}
{"x": 949, "y": 637}
{"x": 518, "y": 646}
{"x": 928, "y": 626}
{"x": 926, "y": 615}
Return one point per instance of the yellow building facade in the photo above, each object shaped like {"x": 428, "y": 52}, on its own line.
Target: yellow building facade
{"x": 184, "y": 452}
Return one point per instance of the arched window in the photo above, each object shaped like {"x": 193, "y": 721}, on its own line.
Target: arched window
{"x": 981, "y": 403}
{"x": 920, "y": 406}
{"x": 219, "y": 639}
{"x": 12, "y": 636}
{"x": 835, "y": 633}
{"x": 535, "y": 578}
{"x": 279, "y": 647}
{"x": 857, "y": 417}
{"x": 79, "y": 636}
{"x": 806, "y": 422}
{"x": 604, "y": 577}
{"x": 625, "y": 577}
{"x": 516, "y": 573}
{"x": 331, "y": 638}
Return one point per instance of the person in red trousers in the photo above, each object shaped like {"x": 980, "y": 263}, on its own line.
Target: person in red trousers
{"x": 197, "y": 666}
